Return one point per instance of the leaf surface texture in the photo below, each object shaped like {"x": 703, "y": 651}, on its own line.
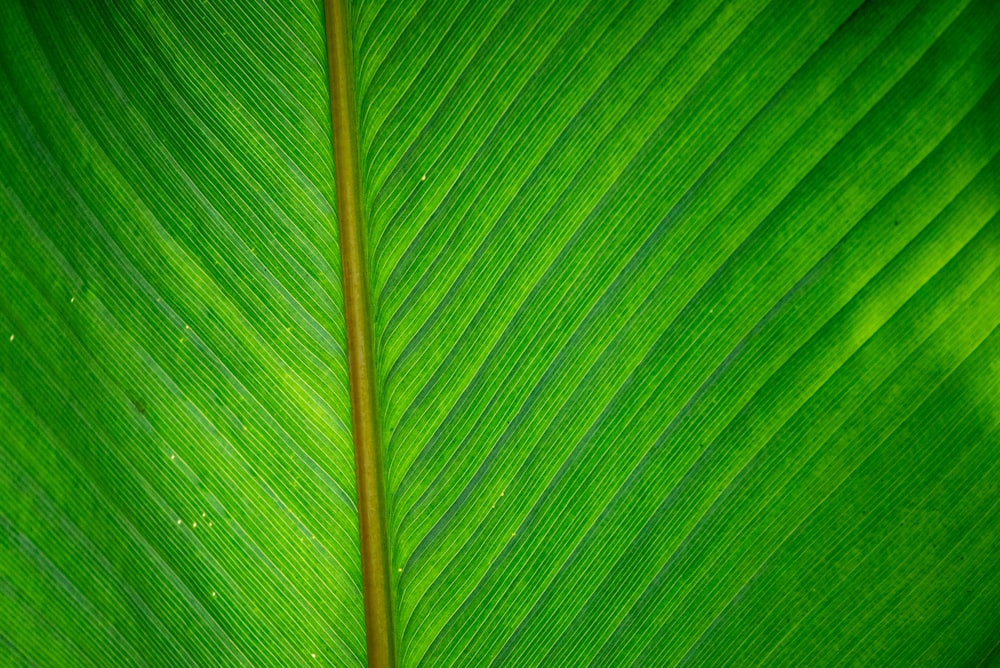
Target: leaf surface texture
{"x": 685, "y": 316}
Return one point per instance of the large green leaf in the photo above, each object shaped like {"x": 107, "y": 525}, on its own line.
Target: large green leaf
{"x": 686, "y": 316}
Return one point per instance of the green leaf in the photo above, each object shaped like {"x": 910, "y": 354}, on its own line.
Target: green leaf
{"x": 685, "y": 316}
{"x": 176, "y": 485}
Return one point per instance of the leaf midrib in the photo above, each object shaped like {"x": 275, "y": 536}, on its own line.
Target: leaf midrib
{"x": 365, "y": 428}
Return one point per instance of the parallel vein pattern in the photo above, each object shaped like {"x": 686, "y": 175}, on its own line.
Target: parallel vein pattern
{"x": 176, "y": 478}
{"x": 686, "y": 317}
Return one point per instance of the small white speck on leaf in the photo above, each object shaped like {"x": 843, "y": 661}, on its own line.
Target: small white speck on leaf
{"x": 194, "y": 525}
{"x": 501, "y": 493}
{"x": 213, "y": 594}
{"x": 203, "y": 514}
{"x": 178, "y": 521}
{"x": 72, "y": 299}
{"x": 209, "y": 524}
{"x": 12, "y": 338}
{"x": 400, "y": 570}
{"x": 314, "y": 655}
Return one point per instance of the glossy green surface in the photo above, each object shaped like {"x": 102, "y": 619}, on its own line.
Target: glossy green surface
{"x": 177, "y": 478}
{"x": 686, "y": 317}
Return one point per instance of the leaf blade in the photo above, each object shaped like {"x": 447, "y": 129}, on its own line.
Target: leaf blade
{"x": 640, "y": 281}
{"x": 167, "y": 209}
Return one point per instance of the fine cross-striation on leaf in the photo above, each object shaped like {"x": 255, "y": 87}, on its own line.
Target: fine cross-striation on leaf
{"x": 685, "y": 323}
{"x": 176, "y": 476}
{"x": 685, "y": 318}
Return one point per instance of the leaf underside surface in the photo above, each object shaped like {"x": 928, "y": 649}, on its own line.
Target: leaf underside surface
{"x": 685, "y": 317}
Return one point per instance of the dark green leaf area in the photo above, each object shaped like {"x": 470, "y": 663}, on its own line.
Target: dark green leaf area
{"x": 177, "y": 482}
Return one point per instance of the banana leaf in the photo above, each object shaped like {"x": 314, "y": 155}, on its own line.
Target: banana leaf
{"x": 684, "y": 315}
